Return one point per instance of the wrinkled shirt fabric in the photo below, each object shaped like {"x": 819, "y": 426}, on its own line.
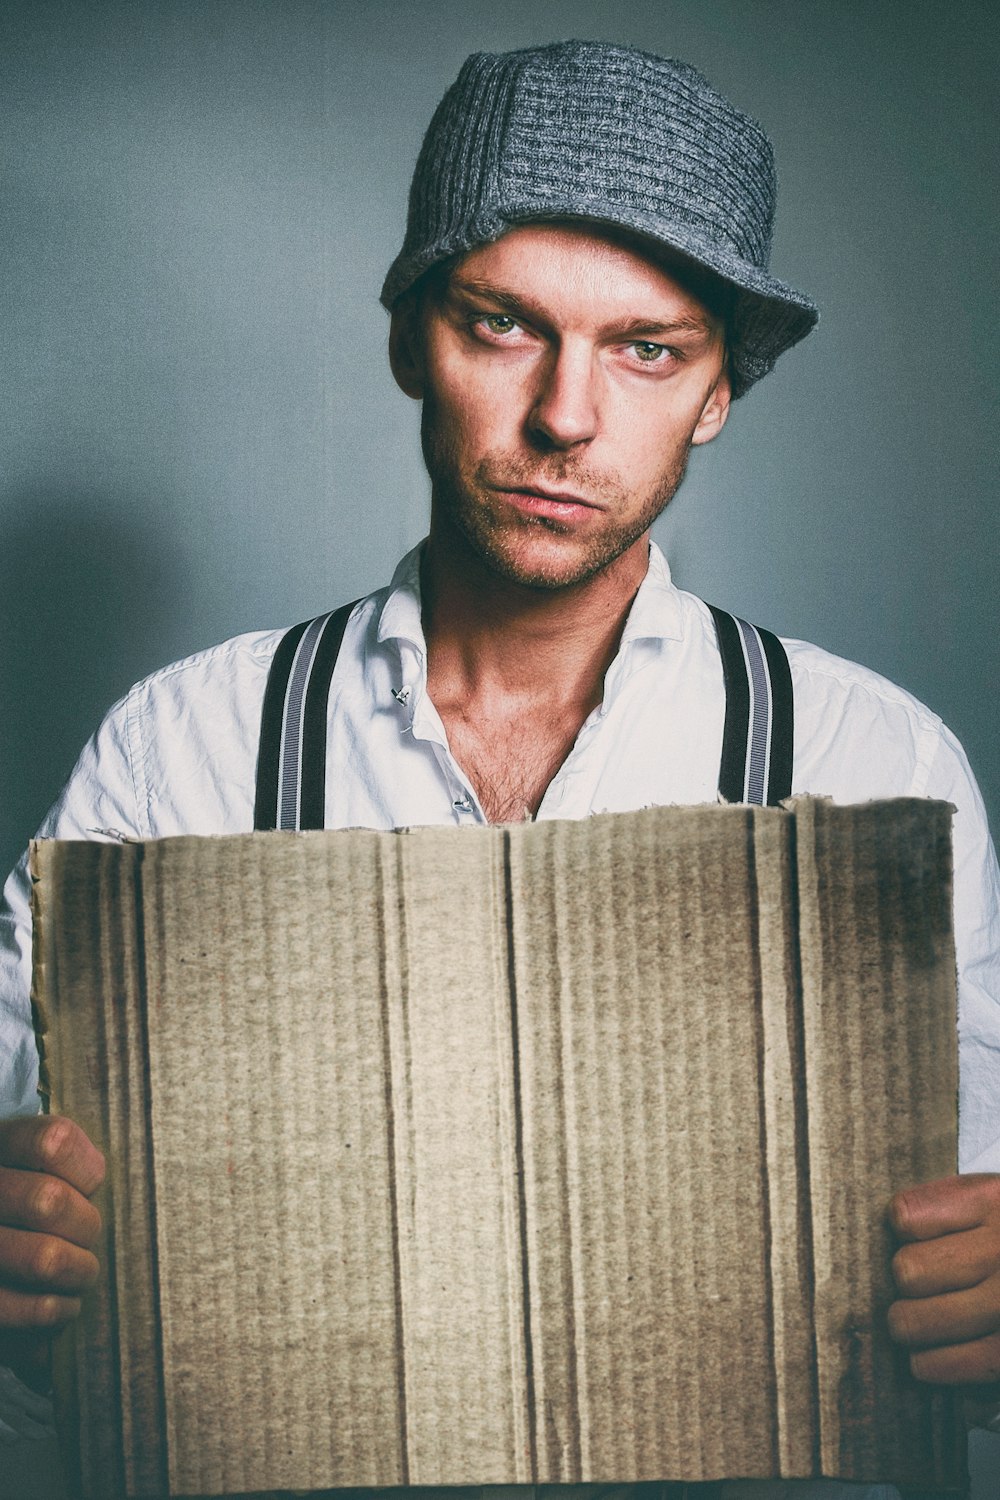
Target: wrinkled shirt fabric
{"x": 177, "y": 755}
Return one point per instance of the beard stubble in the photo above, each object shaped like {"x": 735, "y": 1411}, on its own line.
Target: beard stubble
{"x": 472, "y": 508}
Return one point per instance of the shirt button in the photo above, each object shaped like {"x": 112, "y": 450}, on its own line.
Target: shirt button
{"x": 463, "y": 804}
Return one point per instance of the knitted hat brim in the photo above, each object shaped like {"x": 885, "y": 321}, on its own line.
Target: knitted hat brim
{"x": 768, "y": 316}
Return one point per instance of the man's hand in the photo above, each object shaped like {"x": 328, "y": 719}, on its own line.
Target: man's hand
{"x": 48, "y": 1170}
{"x": 948, "y": 1275}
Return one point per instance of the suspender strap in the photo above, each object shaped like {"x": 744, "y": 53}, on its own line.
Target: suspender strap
{"x": 291, "y": 762}
{"x": 291, "y": 765}
{"x": 757, "y": 739}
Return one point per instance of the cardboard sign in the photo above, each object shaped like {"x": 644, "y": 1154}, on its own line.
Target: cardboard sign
{"x": 546, "y": 1153}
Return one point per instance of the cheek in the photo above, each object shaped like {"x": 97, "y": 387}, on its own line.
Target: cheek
{"x": 648, "y": 429}
{"x": 482, "y": 405}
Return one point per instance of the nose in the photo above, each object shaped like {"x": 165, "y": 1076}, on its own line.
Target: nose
{"x": 565, "y": 412}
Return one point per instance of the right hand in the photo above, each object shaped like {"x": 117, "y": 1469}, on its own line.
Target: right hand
{"x": 48, "y": 1228}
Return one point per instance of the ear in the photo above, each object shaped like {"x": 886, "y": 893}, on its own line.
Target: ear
{"x": 714, "y": 412}
{"x": 406, "y": 350}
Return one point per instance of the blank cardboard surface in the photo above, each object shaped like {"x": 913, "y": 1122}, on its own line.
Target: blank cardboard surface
{"x": 549, "y": 1153}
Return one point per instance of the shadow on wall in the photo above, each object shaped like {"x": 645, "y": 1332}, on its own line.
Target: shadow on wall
{"x": 88, "y": 594}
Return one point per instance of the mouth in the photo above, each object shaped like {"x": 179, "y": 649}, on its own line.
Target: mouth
{"x": 560, "y": 505}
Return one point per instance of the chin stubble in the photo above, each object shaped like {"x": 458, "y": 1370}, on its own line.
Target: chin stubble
{"x": 489, "y": 536}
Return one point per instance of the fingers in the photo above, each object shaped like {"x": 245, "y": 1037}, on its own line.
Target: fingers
{"x": 948, "y": 1275}
{"x": 35, "y": 1312}
{"x": 32, "y": 1200}
{"x": 54, "y": 1145}
{"x": 949, "y": 1264}
{"x": 48, "y": 1169}
{"x": 40, "y": 1281}
{"x": 43, "y": 1264}
{"x": 946, "y": 1206}
{"x": 46, "y": 1229}
{"x": 960, "y": 1364}
{"x": 956, "y": 1317}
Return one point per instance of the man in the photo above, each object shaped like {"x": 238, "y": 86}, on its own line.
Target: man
{"x": 582, "y": 293}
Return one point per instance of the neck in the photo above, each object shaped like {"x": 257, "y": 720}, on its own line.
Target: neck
{"x": 490, "y": 635}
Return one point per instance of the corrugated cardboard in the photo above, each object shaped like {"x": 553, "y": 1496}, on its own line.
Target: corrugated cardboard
{"x": 547, "y": 1153}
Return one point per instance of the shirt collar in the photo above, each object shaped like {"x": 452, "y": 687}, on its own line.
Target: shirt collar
{"x": 656, "y": 612}
{"x": 400, "y": 617}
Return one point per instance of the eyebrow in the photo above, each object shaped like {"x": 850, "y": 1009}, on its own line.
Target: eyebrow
{"x": 690, "y": 323}
{"x": 631, "y": 328}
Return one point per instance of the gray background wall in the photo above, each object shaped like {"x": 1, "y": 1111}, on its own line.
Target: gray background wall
{"x": 198, "y": 433}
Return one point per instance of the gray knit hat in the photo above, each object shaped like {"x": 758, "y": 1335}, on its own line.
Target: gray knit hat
{"x": 593, "y": 131}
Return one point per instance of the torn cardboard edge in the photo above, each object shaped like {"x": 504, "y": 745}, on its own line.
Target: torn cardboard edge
{"x": 549, "y": 1153}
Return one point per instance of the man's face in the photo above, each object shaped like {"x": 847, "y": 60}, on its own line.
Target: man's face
{"x": 564, "y": 379}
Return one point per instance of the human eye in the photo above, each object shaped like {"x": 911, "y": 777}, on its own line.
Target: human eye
{"x": 648, "y": 353}
{"x": 498, "y": 325}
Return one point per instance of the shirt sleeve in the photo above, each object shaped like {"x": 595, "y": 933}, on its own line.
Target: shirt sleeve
{"x": 977, "y": 944}
{"x": 98, "y": 801}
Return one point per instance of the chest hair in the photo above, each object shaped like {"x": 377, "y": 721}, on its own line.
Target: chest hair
{"x": 511, "y": 758}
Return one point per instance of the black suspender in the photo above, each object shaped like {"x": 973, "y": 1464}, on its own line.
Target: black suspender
{"x": 757, "y": 738}
{"x": 291, "y": 764}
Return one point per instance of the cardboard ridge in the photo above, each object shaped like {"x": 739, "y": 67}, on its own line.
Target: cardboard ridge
{"x": 540, "y": 1154}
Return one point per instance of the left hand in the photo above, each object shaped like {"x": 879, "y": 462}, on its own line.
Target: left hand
{"x": 948, "y": 1275}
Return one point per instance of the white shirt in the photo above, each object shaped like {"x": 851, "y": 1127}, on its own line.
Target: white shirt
{"x": 177, "y": 755}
